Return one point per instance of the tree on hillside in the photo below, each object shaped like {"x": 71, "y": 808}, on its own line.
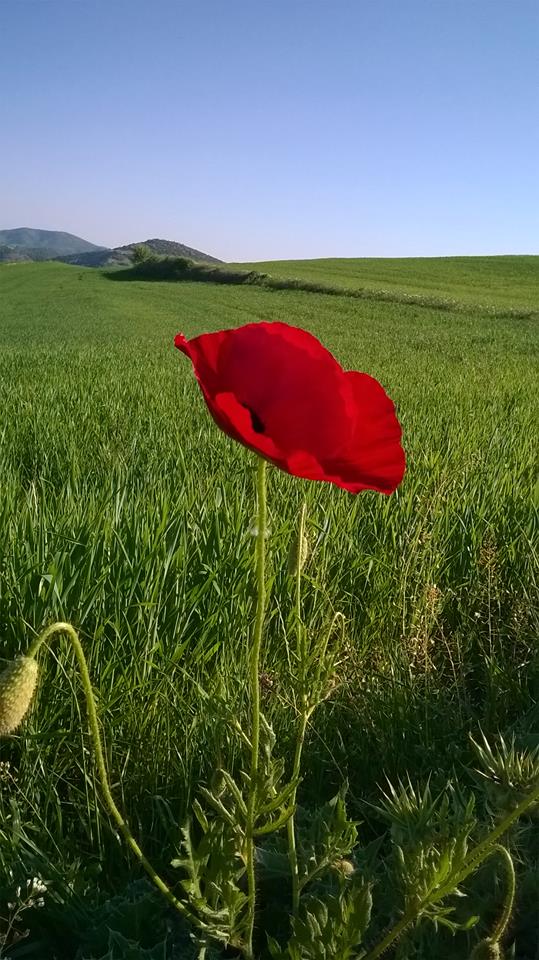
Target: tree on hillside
{"x": 141, "y": 253}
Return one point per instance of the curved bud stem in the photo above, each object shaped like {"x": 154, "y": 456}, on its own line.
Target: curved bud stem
{"x": 505, "y": 916}
{"x": 68, "y": 631}
{"x": 489, "y": 947}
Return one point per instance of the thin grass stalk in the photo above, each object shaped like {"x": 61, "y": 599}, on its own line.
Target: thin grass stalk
{"x": 303, "y": 714}
{"x": 255, "y": 702}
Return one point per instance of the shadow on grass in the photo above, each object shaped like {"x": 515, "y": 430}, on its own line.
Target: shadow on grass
{"x": 179, "y": 268}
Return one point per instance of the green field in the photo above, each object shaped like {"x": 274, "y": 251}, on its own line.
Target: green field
{"x": 126, "y": 512}
{"x": 488, "y": 281}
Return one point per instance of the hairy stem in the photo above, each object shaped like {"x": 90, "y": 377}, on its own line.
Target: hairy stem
{"x": 505, "y": 916}
{"x": 68, "y": 631}
{"x": 255, "y": 701}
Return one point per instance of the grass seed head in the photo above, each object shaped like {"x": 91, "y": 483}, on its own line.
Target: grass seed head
{"x": 17, "y": 687}
{"x": 298, "y": 554}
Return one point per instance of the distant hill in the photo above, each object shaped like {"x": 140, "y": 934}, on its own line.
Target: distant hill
{"x": 121, "y": 256}
{"x": 25, "y": 243}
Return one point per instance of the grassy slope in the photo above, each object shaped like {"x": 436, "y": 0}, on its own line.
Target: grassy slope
{"x": 494, "y": 281}
{"x": 123, "y": 509}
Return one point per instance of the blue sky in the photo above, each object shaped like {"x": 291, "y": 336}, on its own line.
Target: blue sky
{"x": 274, "y": 128}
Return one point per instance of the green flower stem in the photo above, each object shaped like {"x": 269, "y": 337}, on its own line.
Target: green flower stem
{"x": 505, "y": 916}
{"x": 475, "y": 858}
{"x": 255, "y": 701}
{"x": 67, "y": 630}
{"x": 291, "y": 826}
{"x": 303, "y": 715}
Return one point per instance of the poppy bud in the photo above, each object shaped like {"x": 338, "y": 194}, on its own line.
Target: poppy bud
{"x": 298, "y": 553}
{"x": 17, "y": 686}
{"x": 486, "y": 950}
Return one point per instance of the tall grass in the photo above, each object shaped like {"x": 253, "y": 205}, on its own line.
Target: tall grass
{"x": 125, "y": 511}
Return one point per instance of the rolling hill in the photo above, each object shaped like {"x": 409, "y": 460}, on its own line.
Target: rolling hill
{"x": 25, "y": 243}
{"x": 121, "y": 256}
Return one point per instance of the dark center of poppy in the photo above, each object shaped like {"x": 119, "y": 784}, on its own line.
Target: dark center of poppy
{"x": 256, "y": 422}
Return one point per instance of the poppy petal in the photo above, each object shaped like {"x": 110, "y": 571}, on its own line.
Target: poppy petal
{"x": 291, "y": 382}
{"x": 239, "y": 421}
{"x": 375, "y": 459}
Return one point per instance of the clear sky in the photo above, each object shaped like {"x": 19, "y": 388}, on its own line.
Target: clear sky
{"x": 260, "y": 129}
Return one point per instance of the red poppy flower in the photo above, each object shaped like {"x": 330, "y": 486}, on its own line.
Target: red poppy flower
{"x": 278, "y": 391}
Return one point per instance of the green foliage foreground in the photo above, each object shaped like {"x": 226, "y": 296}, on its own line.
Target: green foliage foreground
{"x": 123, "y": 510}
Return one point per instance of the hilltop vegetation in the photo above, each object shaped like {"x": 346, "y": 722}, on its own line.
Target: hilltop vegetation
{"x": 124, "y": 510}
{"x": 123, "y": 256}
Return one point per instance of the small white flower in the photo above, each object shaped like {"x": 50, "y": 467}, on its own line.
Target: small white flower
{"x": 38, "y": 885}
